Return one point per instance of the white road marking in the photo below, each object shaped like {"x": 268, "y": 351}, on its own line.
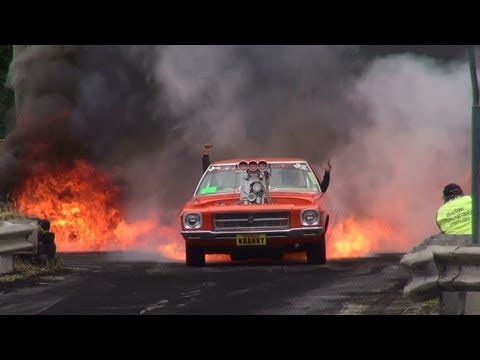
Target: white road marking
{"x": 49, "y": 306}
{"x": 155, "y": 306}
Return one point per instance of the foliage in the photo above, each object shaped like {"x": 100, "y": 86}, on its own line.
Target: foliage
{"x": 6, "y": 94}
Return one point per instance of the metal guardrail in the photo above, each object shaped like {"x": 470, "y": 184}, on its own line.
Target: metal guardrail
{"x": 445, "y": 267}
{"x": 16, "y": 238}
{"x": 423, "y": 284}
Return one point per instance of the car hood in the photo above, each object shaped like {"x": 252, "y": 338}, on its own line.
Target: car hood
{"x": 229, "y": 200}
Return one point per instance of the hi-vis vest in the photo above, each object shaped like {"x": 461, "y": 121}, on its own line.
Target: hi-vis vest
{"x": 455, "y": 216}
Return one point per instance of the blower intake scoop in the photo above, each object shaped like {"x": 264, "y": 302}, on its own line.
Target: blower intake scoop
{"x": 254, "y": 187}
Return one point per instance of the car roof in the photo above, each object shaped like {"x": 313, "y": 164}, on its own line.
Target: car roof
{"x": 257, "y": 159}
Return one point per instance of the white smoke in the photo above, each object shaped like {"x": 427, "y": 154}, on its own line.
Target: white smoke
{"x": 397, "y": 129}
{"x": 420, "y": 142}
{"x": 257, "y": 97}
{"x": 203, "y": 85}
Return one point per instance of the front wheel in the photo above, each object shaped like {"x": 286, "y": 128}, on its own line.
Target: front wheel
{"x": 316, "y": 252}
{"x": 194, "y": 256}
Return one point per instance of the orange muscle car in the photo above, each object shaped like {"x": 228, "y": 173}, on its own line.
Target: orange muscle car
{"x": 255, "y": 208}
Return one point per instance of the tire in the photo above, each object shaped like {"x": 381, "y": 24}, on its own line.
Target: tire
{"x": 41, "y": 257}
{"x": 47, "y": 238}
{"x": 316, "y": 253}
{"x": 50, "y": 251}
{"x": 46, "y": 248}
{"x": 194, "y": 256}
{"x": 44, "y": 224}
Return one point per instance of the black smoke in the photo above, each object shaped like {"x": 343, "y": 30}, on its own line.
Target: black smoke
{"x": 148, "y": 109}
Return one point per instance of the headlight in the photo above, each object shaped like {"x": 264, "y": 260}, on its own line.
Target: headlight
{"x": 192, "y": 221}
{"x": 309, "y": 217}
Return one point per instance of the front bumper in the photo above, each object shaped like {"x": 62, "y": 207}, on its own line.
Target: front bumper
{"x": 306, "y": 234}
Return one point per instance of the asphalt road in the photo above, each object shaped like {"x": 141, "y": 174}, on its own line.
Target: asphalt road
{"x": 108, "y": 283}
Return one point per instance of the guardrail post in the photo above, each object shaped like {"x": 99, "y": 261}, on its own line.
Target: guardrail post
{"x": 452, "y": 303}
{"x": 459, "y": 280}
{"x": 6, "y": 264}
{"x": 460, "y": 303}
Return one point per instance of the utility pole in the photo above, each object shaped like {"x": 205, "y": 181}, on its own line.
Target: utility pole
{"x": 475, "y": 147}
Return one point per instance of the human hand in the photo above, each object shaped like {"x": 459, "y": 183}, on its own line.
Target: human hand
{"x": 208, "y": 147}
{"x": 329, "y": 166}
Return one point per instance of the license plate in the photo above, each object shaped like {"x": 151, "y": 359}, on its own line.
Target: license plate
{"x": 252, "y": 240}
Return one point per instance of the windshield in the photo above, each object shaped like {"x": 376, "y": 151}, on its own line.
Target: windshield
{"x": 285, "y": 177}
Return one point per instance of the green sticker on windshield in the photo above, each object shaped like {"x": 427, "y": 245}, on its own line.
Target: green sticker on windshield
{"x": 209, "y": 190}
{"x": 313, "y": 178}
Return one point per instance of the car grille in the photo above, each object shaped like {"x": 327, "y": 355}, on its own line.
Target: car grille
{"x": 253, "y": 220}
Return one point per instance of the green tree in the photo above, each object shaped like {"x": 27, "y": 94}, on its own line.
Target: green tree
{"x": 6, "y": 94}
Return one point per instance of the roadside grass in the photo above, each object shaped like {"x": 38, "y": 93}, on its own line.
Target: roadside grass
{"x": 24, "y": 270}
{"x": 430, "y": 307}
{"x": 9, "y": 211}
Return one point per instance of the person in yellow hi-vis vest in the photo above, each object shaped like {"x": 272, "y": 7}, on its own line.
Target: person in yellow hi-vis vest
{"x": 455, "y": 215}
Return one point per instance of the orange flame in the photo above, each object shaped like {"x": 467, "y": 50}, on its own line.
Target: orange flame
{"x": 355, "y": 238}
{"x": 82, "y": 204}
{"x": 79, "y": 202}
